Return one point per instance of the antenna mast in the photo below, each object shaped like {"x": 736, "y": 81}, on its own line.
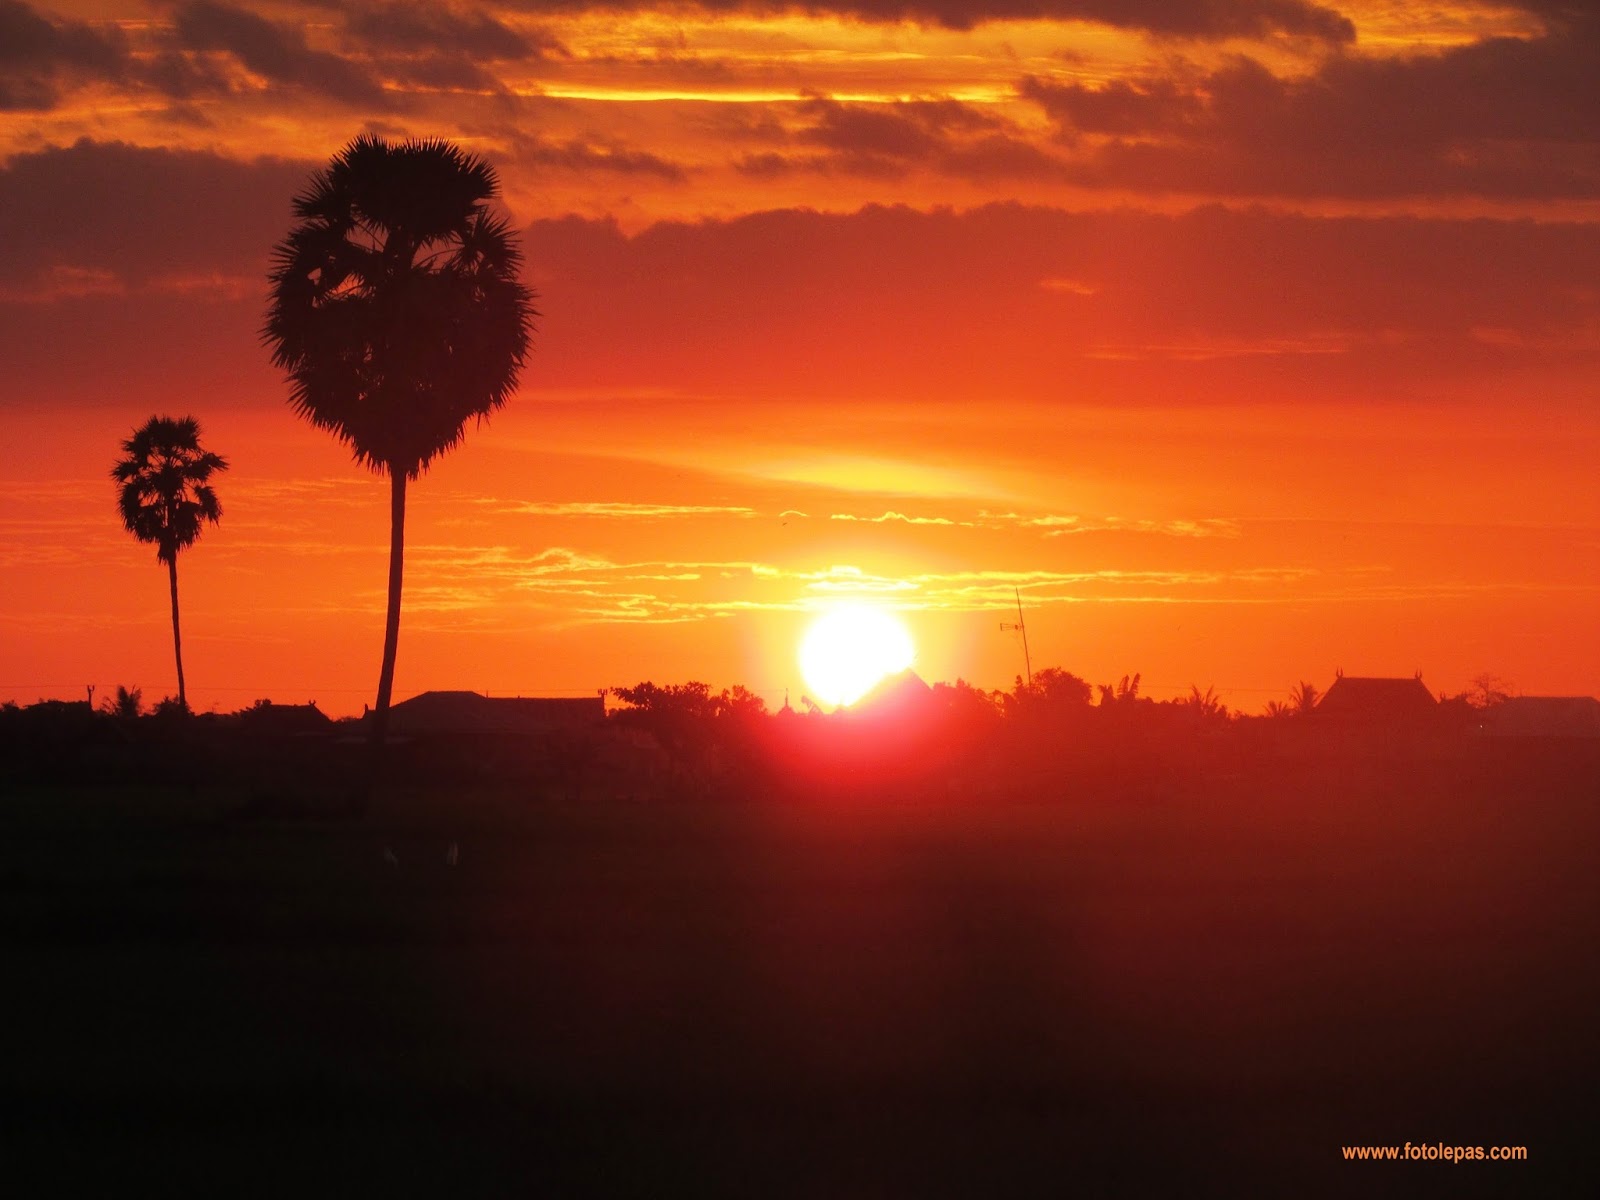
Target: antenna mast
{"x": 1021, "y": 627}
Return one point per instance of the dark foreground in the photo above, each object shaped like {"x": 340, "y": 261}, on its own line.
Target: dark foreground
{"x": 1202, "y": 991}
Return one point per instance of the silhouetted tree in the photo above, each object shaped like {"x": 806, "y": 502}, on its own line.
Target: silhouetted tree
{"x": 686, "y": 702}
{"x": 681, "y": 710}
{"x": 965, "y": 704}
{"x": 679, "y": 714}
{"x": 1487, "y": 690}
{"x": 165, "y": 498}
{"x": 1304, "y": 698}
{"x": 126, "y": 705}
{"x": 739, "y": 704}
{"x": 398, "y": 314}
{"x": 1125, "y": 694}
{"x": 1052, "y": 691}
{"x": 1206, "y": 705}
{"x": 693, "y": 725}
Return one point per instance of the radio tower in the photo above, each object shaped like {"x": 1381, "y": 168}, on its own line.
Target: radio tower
{"x": 1021, "y": 627}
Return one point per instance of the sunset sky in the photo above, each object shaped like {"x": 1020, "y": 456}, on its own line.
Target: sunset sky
{"x": 1249, "y": 340}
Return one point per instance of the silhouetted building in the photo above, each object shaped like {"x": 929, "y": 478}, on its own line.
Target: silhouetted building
{"x": 1542, "y": 716}
{"x": 1367, "y": 700}
{"x": 905, "y": 695}
{"x": 472, "y": 712}
{"x": 549, "y": 741}
{"x": 285, "y": 720}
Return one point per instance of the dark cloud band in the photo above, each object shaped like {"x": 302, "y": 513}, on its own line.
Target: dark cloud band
{"x": 1175, "y": 18}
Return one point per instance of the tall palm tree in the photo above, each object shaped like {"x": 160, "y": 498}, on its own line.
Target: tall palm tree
{"x": 398, "y": 315}
{"x": 166, "y": 497}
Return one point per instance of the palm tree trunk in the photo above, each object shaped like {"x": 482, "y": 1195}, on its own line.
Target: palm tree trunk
{"x": 177, "y": 642}
{"x": 391, "y": 631}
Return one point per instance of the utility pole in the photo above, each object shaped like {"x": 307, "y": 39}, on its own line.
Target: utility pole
{"x": 1021, "y": 627}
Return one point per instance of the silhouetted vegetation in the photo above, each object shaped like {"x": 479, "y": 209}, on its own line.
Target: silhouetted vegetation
{"x": 165, "y": 497}
{"x": 1055, "y": 738}
{"x": 1487, "y": 691}
{"x": 127, "y": 704}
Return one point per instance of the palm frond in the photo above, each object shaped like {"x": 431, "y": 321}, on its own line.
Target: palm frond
{"x": 396, "y": 309}
{"x": 164, "y": 497}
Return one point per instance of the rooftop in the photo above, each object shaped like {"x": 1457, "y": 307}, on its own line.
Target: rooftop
{"x": 1377, "y": 697}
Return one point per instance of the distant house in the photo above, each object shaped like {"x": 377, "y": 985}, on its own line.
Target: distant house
{"x": 1377, "y": 700}
{"x": 472, "y": 712}
{"x": 1542, "y": 716}
{"x": 267, "y": 719}
{"x": 905, "y": 695}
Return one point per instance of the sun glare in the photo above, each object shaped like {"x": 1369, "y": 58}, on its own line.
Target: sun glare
{"x": 849, "y": 649}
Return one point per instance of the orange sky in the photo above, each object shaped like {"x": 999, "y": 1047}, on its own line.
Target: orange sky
{"x": 1249, "y": 341}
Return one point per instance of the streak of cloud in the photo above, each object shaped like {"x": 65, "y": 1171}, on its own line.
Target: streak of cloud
{"x": 616, "y": 509}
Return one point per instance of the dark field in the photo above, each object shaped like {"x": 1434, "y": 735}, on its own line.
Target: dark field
{"x": 1203, "y": 988}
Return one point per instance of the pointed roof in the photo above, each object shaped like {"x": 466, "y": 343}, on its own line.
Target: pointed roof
{"x": 904, "y": 694}
{"x": 285, "y": 719}
{"x": 1377, "y": 698}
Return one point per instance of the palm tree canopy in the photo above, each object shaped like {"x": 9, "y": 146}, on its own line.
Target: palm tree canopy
{"x": 396, "y": 306}
{"x": 166, "y": 496}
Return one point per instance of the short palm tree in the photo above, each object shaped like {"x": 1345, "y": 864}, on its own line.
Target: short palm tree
{"x": 165, "y": 498}
{"x": 1304, "y": 698}
{"x": 398, "y": 316}
{"x": 127, "y": 705}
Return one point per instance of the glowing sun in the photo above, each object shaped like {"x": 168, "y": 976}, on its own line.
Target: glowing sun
{"x": 849, "y": 648}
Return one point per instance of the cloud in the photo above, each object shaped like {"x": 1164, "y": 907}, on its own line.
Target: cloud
{"x": 41, "y": 55}
{"x": 595, "y": 588}
{"x": 1210, "y": 304}
{"x": 899, "y": 517}
{"x": 889, "y": 140}
{"x": 183, "y": 77}
{"x": 852, "y": 580}
{"x": 278, "y": 53}
{"x": 150, "y": 264}
{"x": 1071, "y": 287}
{"x": 1123, "y": 107}
{"x": 62, "y": 282}
{"x": 415, "y": 26}
{"x": 1206, "y": 349}
{"x": 121, "y": 215}
{"x": 1057, "y": 525}
{"x": 1501, "y": 118}
{"x": 618, "y": 509}
{"x": 439, "y": 72}
{"x": 317, "y": 494}
{"x": 1207, "y": 528}
{"x": 197, "y": 54}
{"x": 438, "y": 47}
{"x": 906, "y": 129}
{"x": 1208, "y": 19}
{"x": 588, "y": 154}
{"x": 155, "y": 251}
